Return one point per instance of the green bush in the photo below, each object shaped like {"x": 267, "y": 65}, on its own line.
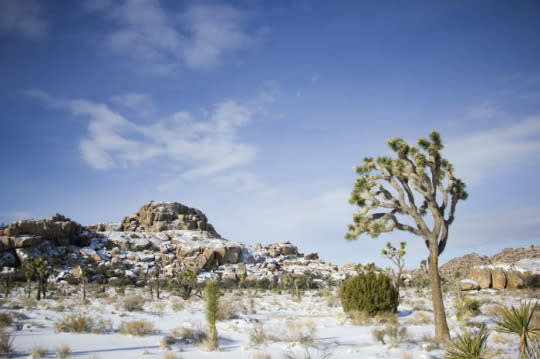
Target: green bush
{"x": 369, "y": 292}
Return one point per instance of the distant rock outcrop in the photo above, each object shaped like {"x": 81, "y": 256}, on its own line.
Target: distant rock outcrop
{"x": 166, "y": 237}
{"x": 511, "y": 268}
{"x": 164, "y": 216}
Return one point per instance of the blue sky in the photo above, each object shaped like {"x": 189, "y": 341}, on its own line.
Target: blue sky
{"x": 257, "y": 111}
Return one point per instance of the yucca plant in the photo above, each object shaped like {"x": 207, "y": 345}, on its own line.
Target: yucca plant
{"x": 468, "y": 345}
{"x": 519, "y": 320}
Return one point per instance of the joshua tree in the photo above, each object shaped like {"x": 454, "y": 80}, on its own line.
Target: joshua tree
{"x": 43, "y": 272}
{"x": 83, "y": 269}
{"x": 211, "y": 292}
{"x": 396, "y": 256}
{"x": 186, "y": 281}
{"x": 29, "y": 270}
{"x": 415, "y": 192}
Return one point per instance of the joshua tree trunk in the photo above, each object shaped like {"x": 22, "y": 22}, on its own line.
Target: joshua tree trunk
{"x": 157, "y": 288}
{"x": 442, "y": 332}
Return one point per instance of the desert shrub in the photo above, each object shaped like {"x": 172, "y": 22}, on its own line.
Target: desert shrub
{"x": 392, "y": 331}
{"x": 133, "y": 303}
{"x": 227, "y": 307}
{"x": 185, "y": 282}
{"x": 369, "y": 292}
{"x": 136, "y": 328}
{"x": 263, "y": 284}
{"x": 303, "y": 332}
{"x": 307, "y": 353}
{"x": 167, "y": 341}
{"x": 190, "y": 335}
{"x": 468, "y": 345}
{"x": 6, "y": 342}
{"x": 75, "y": 323}
{"x": 171, "y": 355}
{"x": 466, "y": 307}
{"x": 63, "y": 351}
{"x": 420, "y": 317}
{"x": 257, "y": 334}
{"x": 6, "y": 318}
{"x": 260, "y": 355}
{"x": 38, "y": 352}
{"x": 358, "y": 317}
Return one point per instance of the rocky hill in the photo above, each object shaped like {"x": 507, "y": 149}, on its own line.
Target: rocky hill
{"x": 167, "y": 237}
{"x": 509, "y": 269}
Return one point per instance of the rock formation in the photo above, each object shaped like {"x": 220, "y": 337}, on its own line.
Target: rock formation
{"x": 163, "y": 216}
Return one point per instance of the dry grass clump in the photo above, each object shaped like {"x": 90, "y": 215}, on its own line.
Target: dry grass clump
{"x": 392, "y": 331}
{"x": 63, "y": 351}
{"x": 75, "y": 323}
{"x": 303, "y": 332}
{"x": 38, "y": 353}
{"x": 227, "y": 306}
{"x": 167, "y": 341}
{"x": 195, "y": 334}
{"x": 82, "y": 323}
{"x": 133, "y": 303}
{"x": 171, "y": 355}
{"x": 359, "y": 317}
{"x": 308, "y": 353}
{"x": 136, "y": 328}
{"x": 260, "y": 355}
{"x": 177, "y": 304}
{"x": 6, "y": 318}
{"x": 466, "y": 308}
{"x": 257, "y": 334}
{"x": 6, "y": 342}
{"x": 420, "y": 317}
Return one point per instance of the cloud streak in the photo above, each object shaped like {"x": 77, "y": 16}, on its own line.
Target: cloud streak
{"x": 23, "y": 17}
{"x": 202, "y": 147}
{"x": 480, "y": 155}
{"x": 197, "y": 37}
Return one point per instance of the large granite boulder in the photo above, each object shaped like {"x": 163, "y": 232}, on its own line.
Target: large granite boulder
{"x": 163, "y": 216}
{"x": 498, "y": 278}
{"x": 482, "y": 276}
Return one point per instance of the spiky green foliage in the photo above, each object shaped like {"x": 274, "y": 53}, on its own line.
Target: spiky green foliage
{"x": 186, "y": 282}
{"x": 468, "y": 345}
{"x": 369, "y": 292}
{"x": 396, "y": 256}
{"x": 385, "y": 189}
{"x": 211, "y": 293}
{"x": 519, "y": 320}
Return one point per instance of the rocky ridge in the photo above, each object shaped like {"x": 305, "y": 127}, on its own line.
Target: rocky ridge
{"x": 511, "y": 268}
{"x": 162, "y": 236}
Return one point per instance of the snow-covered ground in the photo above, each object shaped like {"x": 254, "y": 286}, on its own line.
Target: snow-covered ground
{"x": 313, "y": 326}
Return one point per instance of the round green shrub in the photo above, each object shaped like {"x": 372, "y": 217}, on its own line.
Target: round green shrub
{"x": 369, "y": 292}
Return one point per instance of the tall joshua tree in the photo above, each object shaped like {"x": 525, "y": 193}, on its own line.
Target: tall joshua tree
{"x": 415, "y": 192}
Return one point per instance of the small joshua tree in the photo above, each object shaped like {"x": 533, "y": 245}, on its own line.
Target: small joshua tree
{"x": 468, "y": 345}
{"x": 519, "y": 320}
{"x": 43, "y": 272}
{"x": 186, "y": 282}
{"x": 396, "y": 256}
{"x": 29, "y": 270}
{"x": 83, "y": 269}
{"x": 211, "y": 292}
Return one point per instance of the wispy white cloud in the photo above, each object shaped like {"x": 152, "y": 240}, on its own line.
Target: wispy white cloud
{"x": 160, "y": 39}
{"x": 201, "y": 147}
{"x": 483, "y": 111}
{"x": 138, "y": 103}
{"x": 480, "y": 155}
{"x": 22, "y": 16}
